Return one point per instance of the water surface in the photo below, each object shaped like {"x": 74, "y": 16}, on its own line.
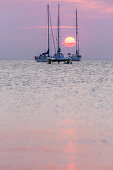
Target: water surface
{"x": 56, "y": 117}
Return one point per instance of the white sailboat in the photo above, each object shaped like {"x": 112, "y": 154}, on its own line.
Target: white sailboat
{"x": 43, "y": 57}
{"x": 76, "y": 56}
{"x": 58, "y": 56}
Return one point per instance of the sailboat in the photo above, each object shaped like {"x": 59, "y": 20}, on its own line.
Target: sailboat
{"x": 76, "y": 56}
{"x": 43, "y": 57}
{"x": 58, "y": 56}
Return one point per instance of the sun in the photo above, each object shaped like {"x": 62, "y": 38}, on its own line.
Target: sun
{"x": 69, "y": 42}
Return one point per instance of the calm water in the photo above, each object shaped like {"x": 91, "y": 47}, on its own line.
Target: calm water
{"x": 56, "y": 117}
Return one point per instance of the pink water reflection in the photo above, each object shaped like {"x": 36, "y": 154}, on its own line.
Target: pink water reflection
{"x": 61, "y": 147}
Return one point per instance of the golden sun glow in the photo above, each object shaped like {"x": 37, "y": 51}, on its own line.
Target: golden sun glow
{"x": 69, "y": 42}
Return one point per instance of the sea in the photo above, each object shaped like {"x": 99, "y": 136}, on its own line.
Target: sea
{"x": 56, "y": 116}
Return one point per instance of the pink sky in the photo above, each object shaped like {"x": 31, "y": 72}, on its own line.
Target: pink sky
{"x": 22, "y": 23}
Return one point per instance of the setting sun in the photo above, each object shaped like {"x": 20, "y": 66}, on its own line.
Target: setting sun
{"x": 69, "y": 42}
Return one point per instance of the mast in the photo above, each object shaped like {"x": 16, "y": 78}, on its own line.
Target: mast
{"x": 58, "y": 27}
{"x": 76, "y": 33}
{"x": 48, "y": 27}
{"x": 52, "y": 32}
{"x": 78, "y": 46}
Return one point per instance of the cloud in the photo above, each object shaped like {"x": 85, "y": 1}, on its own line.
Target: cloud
{"x": 104, "y": 6}
{"x": 108, "y": 10}
{"x": 45, "y": 27}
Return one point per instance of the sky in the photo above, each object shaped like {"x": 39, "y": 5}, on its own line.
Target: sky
{"x": 23, "y": 31}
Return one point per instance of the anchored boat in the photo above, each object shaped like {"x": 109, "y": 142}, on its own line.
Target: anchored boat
{"x": 76, "y": 56}
{"x": 43, "y": 57}
{"x": 59, "y": 56}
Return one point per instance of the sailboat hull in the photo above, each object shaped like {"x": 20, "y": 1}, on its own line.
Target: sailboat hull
{"x": 59, "y": 57}
{"x": 66, "y": 60}
{"x": 75, "y": 57}
{"x": 41, "y": 59}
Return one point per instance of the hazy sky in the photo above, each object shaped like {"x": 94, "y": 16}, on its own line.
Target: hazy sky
{"x": 22, "y": 34}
